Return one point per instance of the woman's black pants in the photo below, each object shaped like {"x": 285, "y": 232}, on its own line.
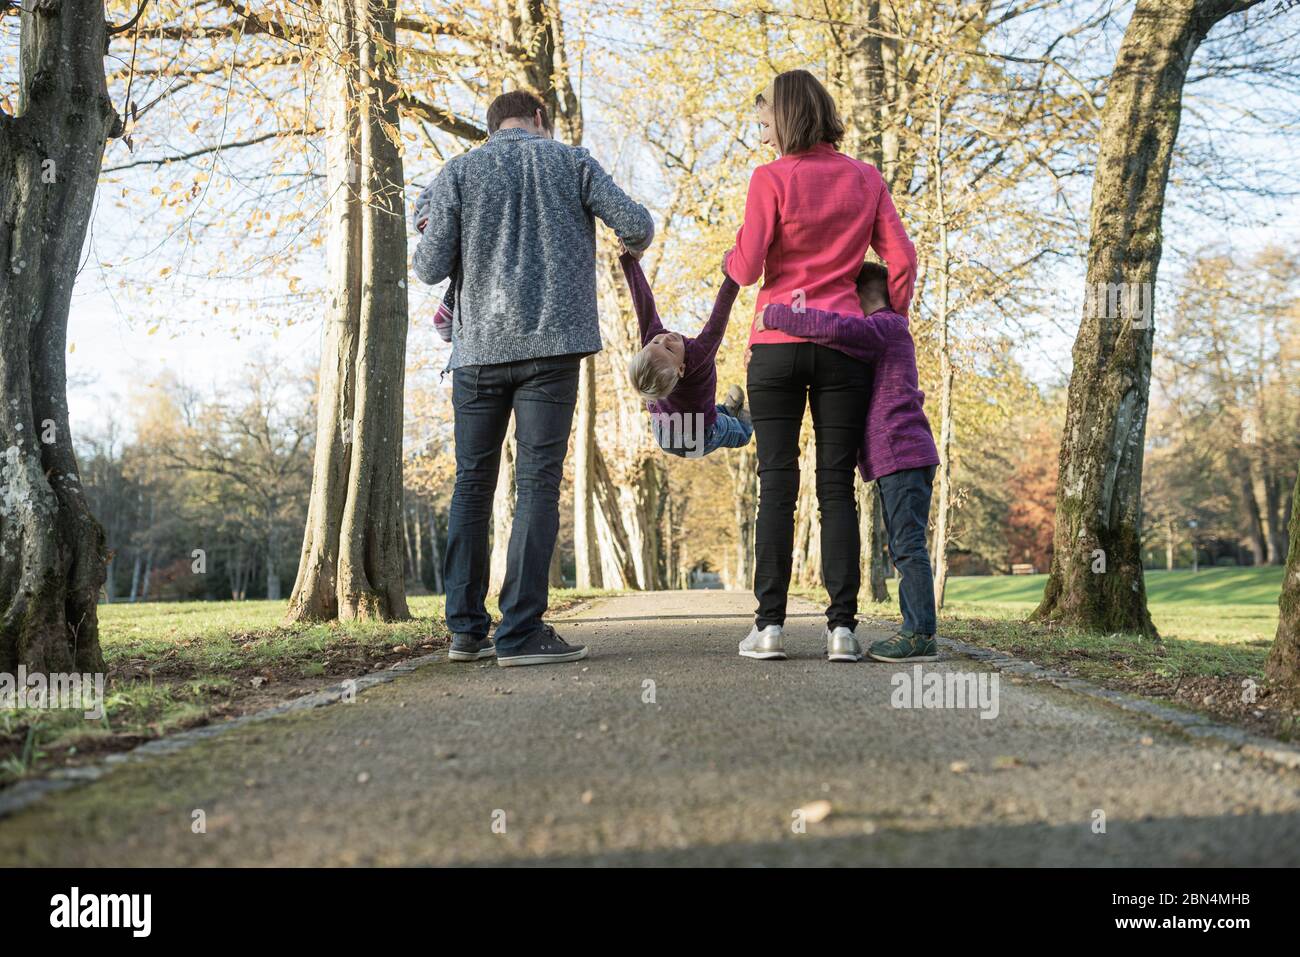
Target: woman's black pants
{"x": 783, "y": 378}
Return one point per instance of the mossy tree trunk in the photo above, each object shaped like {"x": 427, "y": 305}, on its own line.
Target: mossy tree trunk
{"x": 52, "y": 552}
{"x": 1284, "y": 660}
{"x": 1096, "y": 580}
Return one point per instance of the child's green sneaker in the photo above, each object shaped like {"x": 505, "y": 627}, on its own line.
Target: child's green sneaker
{"x": 905, "y": 646}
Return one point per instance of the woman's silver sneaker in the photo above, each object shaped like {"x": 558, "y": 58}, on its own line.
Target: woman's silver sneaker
{"x": 764, "y": 644}
{"x": 842, "y": 645}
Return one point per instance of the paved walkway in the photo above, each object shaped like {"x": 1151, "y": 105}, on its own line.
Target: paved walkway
{"x": 664, "y": 747}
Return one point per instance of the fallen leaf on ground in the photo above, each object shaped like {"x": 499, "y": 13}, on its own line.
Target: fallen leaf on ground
{"x": 816, "y": 811}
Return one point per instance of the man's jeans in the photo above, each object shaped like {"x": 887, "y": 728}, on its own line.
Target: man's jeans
{"x": 905, "y": 502}
{"x": 542, "y": 393}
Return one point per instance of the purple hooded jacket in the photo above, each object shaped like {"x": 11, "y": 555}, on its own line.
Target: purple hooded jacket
{"x": 897, "y": 434}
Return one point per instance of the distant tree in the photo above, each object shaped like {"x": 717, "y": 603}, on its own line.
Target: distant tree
{"x": 1230, "y": 383}
{"x": 258, "y": 444}
{"x": 109, "y": 493}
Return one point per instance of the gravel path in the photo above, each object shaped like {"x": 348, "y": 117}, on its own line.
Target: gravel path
{"x": 664, "y": 747}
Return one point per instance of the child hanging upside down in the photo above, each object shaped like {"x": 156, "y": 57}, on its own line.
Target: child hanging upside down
{"x": 677, "y": 376}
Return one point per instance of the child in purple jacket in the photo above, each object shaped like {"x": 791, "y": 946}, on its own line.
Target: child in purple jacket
{"x": 677, "y": 377}
{"x": 898, "y": 450}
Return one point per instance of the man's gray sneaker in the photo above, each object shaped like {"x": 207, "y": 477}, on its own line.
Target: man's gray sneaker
{"x": 905, "y": 646}
{"x": 470, "y": 648}
{"x": 765, "y": 644}
{"x": 543, "y": 648}
{"x": 841, "y": 645}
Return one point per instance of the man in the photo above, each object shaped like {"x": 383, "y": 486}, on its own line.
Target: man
{"x": 512, "y": 220}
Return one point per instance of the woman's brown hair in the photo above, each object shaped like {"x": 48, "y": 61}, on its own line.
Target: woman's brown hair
{"x": 803, "y": 113}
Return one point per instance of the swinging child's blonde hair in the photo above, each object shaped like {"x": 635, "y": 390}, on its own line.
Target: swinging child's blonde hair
{"x": 652, "y": 380}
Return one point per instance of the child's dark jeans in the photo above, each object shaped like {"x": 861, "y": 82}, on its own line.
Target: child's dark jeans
{"x": 905, "y": 501}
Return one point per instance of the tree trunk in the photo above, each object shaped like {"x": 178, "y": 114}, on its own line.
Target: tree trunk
{"x": 1096, "y": 580}
{"x": 872, "y": 531}
{"x": 52, "y": 551}
{"x": 744, "y": 497}
{"x": 805, "y": 563}
{"x": 866, "y": 67}
{"x": 1250, "y": 510}
{"x": 1283, "y": 668}
{"x": 586, "y": 556}
{"x": 641, "y": 511}
{"x": 351, "y": 565}
{"x": 618, "y": 568}
{"x": 1288, "y": 516}
{"x": 148, "y": 574}
{"x": 408, "y": 541}
{"x": 870, "y": 114}
{"x": 555, "y": 574}
{"x": 371, "y": 579}
{"x": 272, "y": 556}
{"x": 417, "y": 529}
{"x": 942, "y": 318}
{"x": 1272, "y": 512}
{"x": 135, "y": 577}
{"x": 435, "y": 553}
{"x": 315, "y": 594}
{"x": 503, "y": 512}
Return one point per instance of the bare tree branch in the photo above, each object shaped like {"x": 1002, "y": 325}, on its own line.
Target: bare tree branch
{"x": 113, "y": 31}
{"x": 165, "y": 160}
{"x": 443, "y": 119}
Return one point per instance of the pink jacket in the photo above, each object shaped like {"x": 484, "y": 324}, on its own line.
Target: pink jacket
{"x": 809, "y": 220}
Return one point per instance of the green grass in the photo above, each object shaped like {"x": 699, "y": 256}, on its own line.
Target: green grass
{"x": 1216, "y": 627}
{"x": 1219, "y": 606}
{"x": 1165, "y": 590}
{"x": 220, "y": 637}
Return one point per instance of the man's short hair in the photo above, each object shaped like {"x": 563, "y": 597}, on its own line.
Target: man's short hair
{"x": 873, "y": 279}
{"x": 516, "y": 105}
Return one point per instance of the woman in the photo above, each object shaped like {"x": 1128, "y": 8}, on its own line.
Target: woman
{"x": 810, "y": 217}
